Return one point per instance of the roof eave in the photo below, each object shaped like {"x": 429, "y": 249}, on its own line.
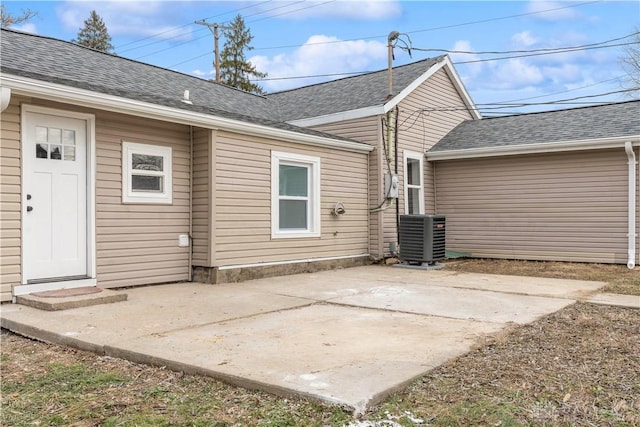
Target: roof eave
{"x": 547, "y": 147}
{"x": 71, "y": 95}
{"x": 339, "y": 117}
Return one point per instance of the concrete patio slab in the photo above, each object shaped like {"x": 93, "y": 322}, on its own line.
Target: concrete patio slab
{"x": 150, "y": 310}
{"x": 348, "y": 336}
{"x": 338, "y": 283}
{"x": 630, "y": 301}
{"x": 346, "y": 355}
{"x": 471, "y": 304}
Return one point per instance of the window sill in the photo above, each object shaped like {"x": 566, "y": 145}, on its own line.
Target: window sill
{"x": 295, "y": 235}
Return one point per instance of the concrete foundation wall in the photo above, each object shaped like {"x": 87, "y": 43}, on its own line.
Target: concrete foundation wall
{"x": 214, "y": 275}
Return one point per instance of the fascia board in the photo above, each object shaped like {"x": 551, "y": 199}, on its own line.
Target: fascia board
{"x": 547, "y": 147}
{"x": 462, "y": 90}
{"x": 86, "y": 98}
{"x": 453, "y": 75}
{"x": 339, "y": 117}
{"x": 389, "y": 105}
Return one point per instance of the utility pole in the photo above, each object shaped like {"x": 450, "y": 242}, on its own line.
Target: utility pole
{"x": 392, "y": 37}
{"x": 213, "y": 27}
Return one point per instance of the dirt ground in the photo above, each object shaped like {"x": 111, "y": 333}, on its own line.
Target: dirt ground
{"x": 578, "y": 366}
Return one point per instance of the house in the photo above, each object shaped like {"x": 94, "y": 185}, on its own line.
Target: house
{"x": 425, "y": 101}
{"x": 558, "y": 185}
{"x": 117, "y": 173}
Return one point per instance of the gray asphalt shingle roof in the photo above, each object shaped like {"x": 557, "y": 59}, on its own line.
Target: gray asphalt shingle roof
{"x": 349, "y": 93}
{"x": 575, "y": 124}
{"x": 57, "y": 61}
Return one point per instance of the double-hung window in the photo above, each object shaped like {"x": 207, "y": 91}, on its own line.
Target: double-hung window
{"x": 295, "y": 201}
{"x": 413, "y": 183}
{"x": 146, "y": 173}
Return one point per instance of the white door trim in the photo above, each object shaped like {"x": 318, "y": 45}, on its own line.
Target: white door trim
{"x": 91, "y": 214}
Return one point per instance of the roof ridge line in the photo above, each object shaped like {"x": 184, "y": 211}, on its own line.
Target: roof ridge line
{"x": 367, "y": 73}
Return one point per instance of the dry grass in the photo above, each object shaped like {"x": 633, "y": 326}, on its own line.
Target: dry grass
{"x": 618, "y": 277}
{"x": 578, "y": 366}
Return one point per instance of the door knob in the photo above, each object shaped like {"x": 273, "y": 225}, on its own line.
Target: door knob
{"x": 29, "y": 208}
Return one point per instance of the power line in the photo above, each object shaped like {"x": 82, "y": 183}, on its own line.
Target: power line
{"x": 535, "y": 52}
{"x": 177, "y": 28}
{"x": 258, "y": 13}
{"x": 293, "y": 11}
{"x": 541, "y": 53}
{"x": 381, "y": 36}
{"x": 497, "y": 106}
{"x": 434, "y": 28}
{"x": 550, "y": 50}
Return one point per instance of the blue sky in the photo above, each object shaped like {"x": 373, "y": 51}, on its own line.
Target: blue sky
{"x": 309, "y": 38}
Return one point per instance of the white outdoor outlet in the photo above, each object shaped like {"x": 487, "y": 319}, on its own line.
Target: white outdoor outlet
{"x": 183, "y": 240}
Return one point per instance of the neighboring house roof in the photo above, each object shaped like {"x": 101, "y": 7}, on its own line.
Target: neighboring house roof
{"x": 362, "y": 95}
{"x": 559, "y": 130}
{"x": 47, "y": 60}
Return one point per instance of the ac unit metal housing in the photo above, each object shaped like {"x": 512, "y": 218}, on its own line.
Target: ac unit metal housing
{"x": 422, "y": 238}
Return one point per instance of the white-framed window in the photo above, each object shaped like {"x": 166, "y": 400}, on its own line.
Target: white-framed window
{"x": 295, "y": 195}
{"x": 146, "y": 173}
{"x": 413, "y": 183}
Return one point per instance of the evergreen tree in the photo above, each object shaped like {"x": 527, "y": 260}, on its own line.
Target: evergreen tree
{"x": 94, "y": 34}
{"x": 235, "y": 70}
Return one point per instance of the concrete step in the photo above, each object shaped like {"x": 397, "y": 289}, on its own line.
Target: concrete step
{"x": 65, "y": 299}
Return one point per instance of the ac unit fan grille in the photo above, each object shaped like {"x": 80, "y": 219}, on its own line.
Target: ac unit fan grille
{"x": 422, "y": 238}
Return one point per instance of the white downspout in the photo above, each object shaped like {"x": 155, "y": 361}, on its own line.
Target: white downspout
{"x": 631, "y": 259}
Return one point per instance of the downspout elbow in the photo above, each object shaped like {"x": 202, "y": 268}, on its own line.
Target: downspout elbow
{"x": 631, "y": 253}
{"x": 5, "y": 98}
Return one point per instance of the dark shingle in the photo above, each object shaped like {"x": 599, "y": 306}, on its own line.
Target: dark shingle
{"x": 350, "y": 93}
{"x": 56, "y": 61}
{"x": 78, "y": 66}
{"x": 575, "y": 124}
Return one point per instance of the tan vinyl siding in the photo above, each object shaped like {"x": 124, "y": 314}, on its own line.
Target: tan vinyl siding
{"x": 366, "y": 130}
{"x": 425, "y": 116}
{"x": 10, "y": 199}
{"x": 243, "y": 203}
{"x": 201, "y": 198}
{"x": 138, "y": 243}
{"x": 565, "y": 206}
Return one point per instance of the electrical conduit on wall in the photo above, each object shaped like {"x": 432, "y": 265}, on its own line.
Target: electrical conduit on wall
{"x": 631, "y": 255}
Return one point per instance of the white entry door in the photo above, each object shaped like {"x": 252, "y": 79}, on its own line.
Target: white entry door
{"x": 54, "y": 198}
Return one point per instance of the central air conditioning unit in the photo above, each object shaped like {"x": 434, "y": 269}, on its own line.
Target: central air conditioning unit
{"x": 422, "y": 238}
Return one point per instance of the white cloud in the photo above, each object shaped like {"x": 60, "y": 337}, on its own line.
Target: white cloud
{"x": 552, "y": 10}
{"x": 524, "y": 39}
{"x": 349, "y": 9}
{"x": 27, "y": 28}
{"x": 563, "y": 74}
{"x": 468, "y": 72}
{"x": 143, "y": 18}
{"x": 515, "y": 73}
{"x": 320, "y": 54}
